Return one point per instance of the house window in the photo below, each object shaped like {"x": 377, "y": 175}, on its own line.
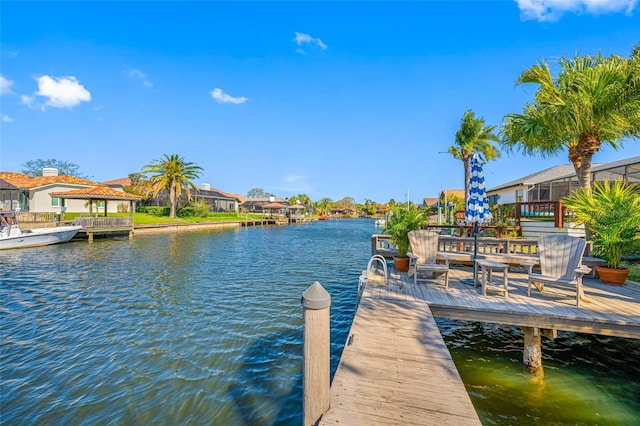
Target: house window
{"x": 519, "y": 195}
{"x": 56, "y": 202}
{"x": 101, "y": 204}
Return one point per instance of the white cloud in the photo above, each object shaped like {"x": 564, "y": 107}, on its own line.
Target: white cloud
{"x": 223, "y": 98}
{"x": 552, "y": 10}
{"x": 302, "y": 38}
{"x": 5, "y": 86}
{"x": 294, "y": 184}
{"x": 27, "y": 100}
{"x": 61, "y": 92}
{"x": 6, "y": 119}
{"x": 139, "y": 75}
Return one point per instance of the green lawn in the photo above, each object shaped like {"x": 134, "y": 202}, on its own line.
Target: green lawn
{"x": 148, "y": 219}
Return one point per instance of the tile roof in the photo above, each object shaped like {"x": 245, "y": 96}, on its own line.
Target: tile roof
{"x": 125, "y": 181}
{"x": 97, "y": 192}
{"x": 275, "y": 206}
{"x": 22, "y": 180}
{"x": 430, "y": 202}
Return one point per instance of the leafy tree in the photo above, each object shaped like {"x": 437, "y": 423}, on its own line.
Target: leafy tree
{"x": 140, "y": 185}
{"x": 173, "y": 173}
{"x": 473, "y": 136}
{"x": 346, "y": 203}
{"x": 370, "y": 207}
{"x": 593, "y": 100}
{"x": 258, "y": 193}
{"x": 65, "y": 168}
{"x": 323, "y": 205}
{"x": 304, "y": 199}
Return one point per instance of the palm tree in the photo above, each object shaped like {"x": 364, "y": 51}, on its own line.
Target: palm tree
{"x": 592, "y": 101}
{"x": 473, "y": 136}
{"x": 323, "y": 205}
{"x": 173, "y": 173}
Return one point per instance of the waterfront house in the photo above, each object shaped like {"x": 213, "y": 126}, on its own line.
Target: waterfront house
{"x": 19, "y": 191}
{"x": 556, "y": 182}
{"x": 262, "y": 205}
{"x": 534, "y": 202}
{"x": 218, "y": 201}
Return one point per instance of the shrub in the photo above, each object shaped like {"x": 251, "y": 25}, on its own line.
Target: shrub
{"x": 187, "y": 211}
{"x": 200, "y": 209}
{"x": 154, "y": 210}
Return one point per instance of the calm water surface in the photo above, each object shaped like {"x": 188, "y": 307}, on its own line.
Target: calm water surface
{"x": 206, "y": 328}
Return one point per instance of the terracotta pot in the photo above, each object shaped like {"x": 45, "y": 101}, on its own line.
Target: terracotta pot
{"x": 401, "y": 264}
{"x": 612, "y": 276}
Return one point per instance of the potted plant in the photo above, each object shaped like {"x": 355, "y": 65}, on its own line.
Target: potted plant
{"x": 611, "y": 212}
{"x": 401, "y": 221}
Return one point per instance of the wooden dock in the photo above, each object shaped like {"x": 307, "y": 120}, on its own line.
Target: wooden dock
{"x": 396, "y": 370}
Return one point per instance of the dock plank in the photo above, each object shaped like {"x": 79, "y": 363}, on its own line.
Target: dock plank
{"x": 396, "y": 369}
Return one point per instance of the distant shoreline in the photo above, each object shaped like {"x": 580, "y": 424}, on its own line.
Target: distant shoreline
{"x": 161, "y": 228}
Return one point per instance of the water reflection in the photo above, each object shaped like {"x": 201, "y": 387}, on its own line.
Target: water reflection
{"x": 193, "y": 328}
{"x": 206, "y": 328}
{"x": 584, "y": 383}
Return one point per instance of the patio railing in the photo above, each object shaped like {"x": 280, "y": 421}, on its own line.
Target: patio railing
{"x": 104, "y": 223}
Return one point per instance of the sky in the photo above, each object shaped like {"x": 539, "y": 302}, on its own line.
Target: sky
{"x": 329, "y": 99}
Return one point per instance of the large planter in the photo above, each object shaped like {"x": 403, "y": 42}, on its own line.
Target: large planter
{"x": 612, "y": 276}
{"x": 401, "y": 264}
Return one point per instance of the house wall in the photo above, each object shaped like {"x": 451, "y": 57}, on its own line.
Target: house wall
{"x": 508, "y": 195}
{"x": 41, "y": 201}
{"x": 535, "y": 229}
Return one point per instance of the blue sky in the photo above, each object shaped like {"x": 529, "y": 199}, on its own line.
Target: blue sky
{"x": 331, "y": 99}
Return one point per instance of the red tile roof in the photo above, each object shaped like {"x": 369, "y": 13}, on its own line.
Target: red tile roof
{"x": 125, "y": 181}
{"x": 97, "y": 192}
{"x": 22, "y": 180}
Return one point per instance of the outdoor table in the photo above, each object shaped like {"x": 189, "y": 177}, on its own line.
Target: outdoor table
{"x": 486, "y": 267}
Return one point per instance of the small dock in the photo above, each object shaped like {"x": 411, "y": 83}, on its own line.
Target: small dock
{"x": 396, "y": 370}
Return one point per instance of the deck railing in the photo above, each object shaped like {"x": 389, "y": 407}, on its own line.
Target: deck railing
{"x": 36, "y": 217}
{"x": 105, "y": 223}
{"x": 541, "y": 210}
{"x": 488, "y": 245}
{"x": 381, "y": 244}
{"x": 467, "y": 230}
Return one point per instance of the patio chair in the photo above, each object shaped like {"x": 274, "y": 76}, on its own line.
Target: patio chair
{"x": 424, "y": 257}
{"x": 560, "y": 264}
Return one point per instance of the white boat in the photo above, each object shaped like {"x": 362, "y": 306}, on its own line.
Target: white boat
{"x": 12, "y": 236}
{"x": 381, "y": 222}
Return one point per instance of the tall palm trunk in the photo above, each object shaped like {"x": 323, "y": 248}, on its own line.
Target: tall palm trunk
{"x": 172, "y": 199}
{"x": 467, "y": 178}
{"x": 581, "y": 155}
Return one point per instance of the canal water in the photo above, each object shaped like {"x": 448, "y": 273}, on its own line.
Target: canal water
{"x": 206, "y": 328}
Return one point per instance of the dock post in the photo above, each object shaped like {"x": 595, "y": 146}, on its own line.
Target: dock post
{"x": 316, "y": 398}
{"x": 532, "y": 353}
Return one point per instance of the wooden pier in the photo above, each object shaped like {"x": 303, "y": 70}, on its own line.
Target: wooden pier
{"x": 396, "y": 370}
